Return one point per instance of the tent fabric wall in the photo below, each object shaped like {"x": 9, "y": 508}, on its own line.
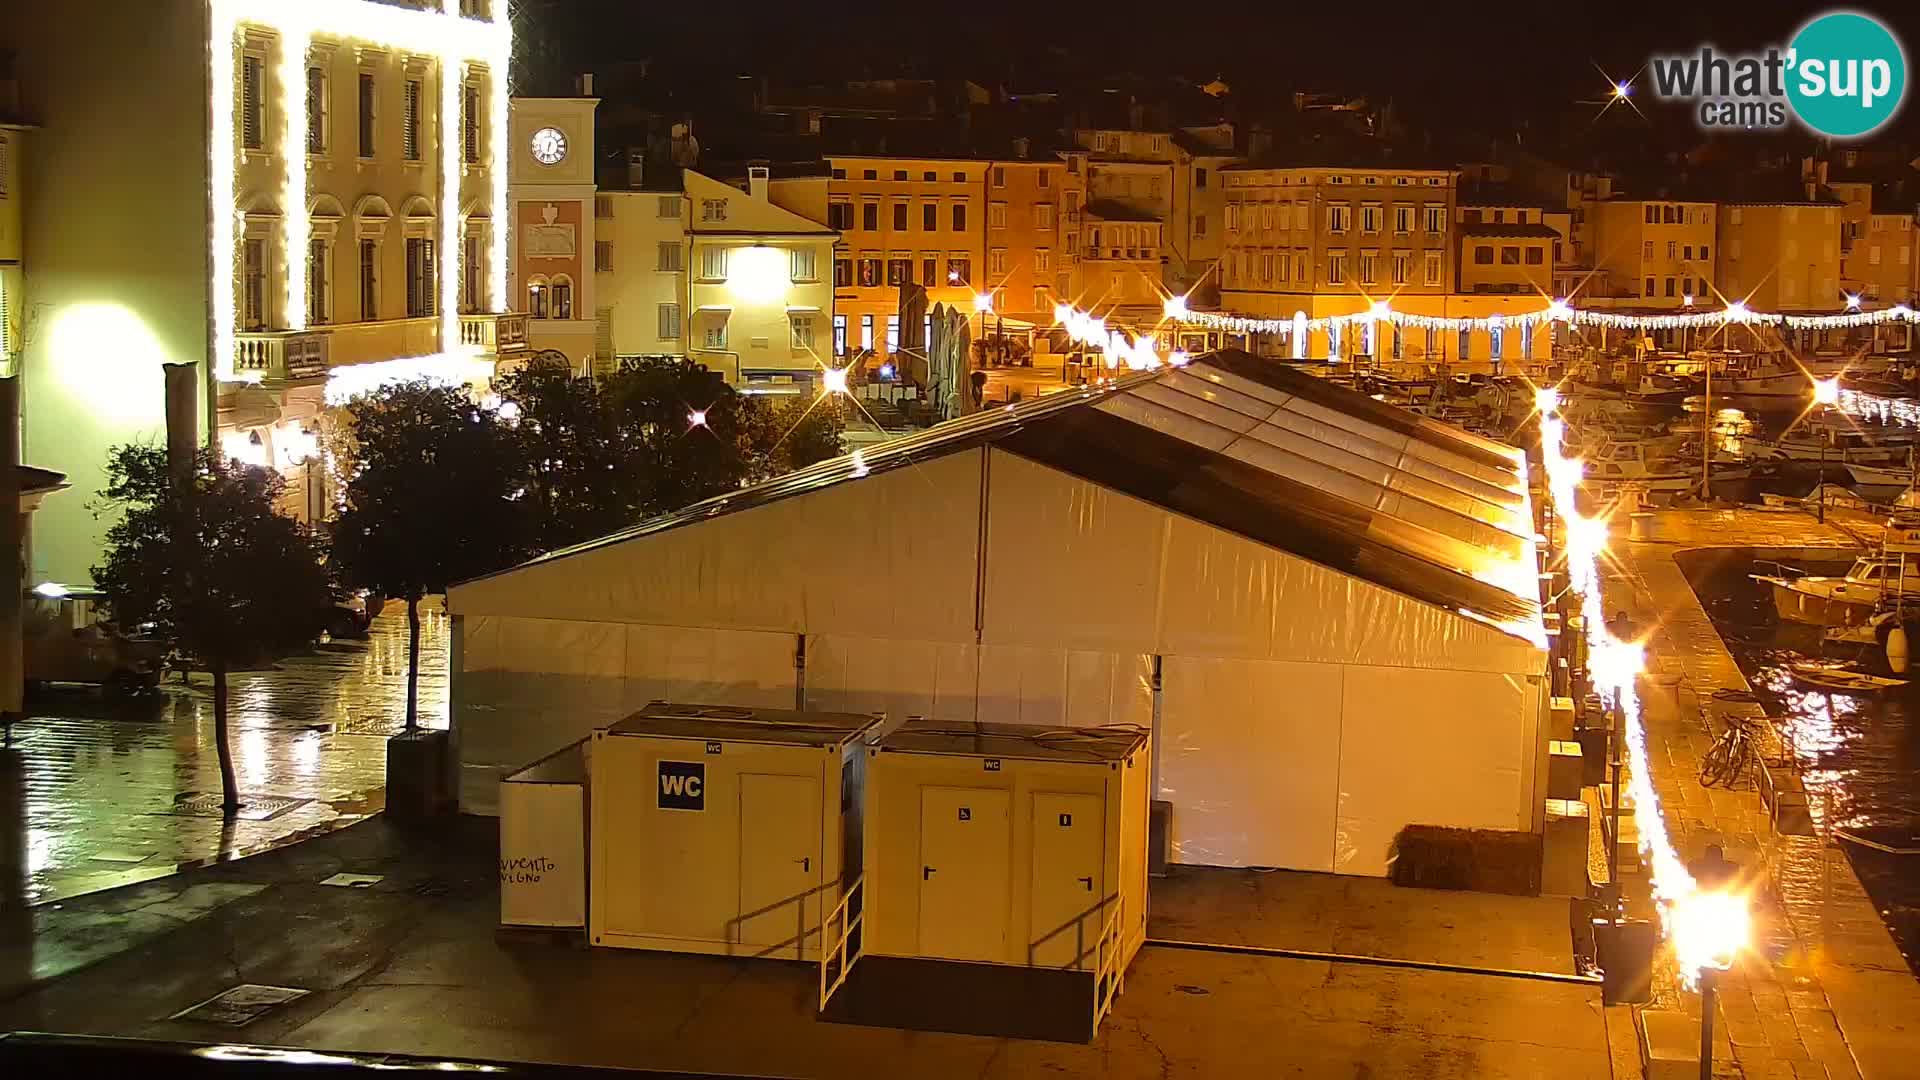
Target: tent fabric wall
{"x": 1319, "y": 766}
{"x": 792, "y": 565}
{"x": 527, "y": 685}
{"x": 1433, "y": 748}
{"x": 935, "y": 679}
{"x": 1176, "y": 586}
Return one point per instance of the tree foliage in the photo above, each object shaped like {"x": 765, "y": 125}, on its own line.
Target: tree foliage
{"x": 219, "y": 573}
{"x": 212, "y": 567}
{"x": 433, "y": 494}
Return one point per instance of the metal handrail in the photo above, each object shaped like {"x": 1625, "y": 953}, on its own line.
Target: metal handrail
{"x": 849, "y": 921}
{"x": 1107, "y": 973}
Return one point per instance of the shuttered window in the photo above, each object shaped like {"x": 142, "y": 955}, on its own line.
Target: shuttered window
{"x": 410, "y": 123}
{"x": 251, "y": 125}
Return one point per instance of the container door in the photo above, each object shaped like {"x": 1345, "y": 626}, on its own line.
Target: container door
{"x": 779, "y": 864}
{"x": 964, "y": 844}
{"x": 1069, "y": 894}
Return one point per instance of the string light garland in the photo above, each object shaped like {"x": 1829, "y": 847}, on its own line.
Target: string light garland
{"x": 1556, "y": 311}
{"x": 1706, "y": 928}
{"x": 453, "y": 40}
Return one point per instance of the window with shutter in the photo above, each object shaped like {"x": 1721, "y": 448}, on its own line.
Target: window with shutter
{"x": 317, "y": 283}
{"x": 668, "y": 257}
{"x": 410, "y": 122}
{"x": 669, "y": 322}
{"x": 251, "y": 124}
{"x": 713, "y": 263}
{"x": 316, "y": 110}
{"x": 603, "y": 256}
{"x": 369, "y": 280}
{"x": 420, "y": 290}
{"x": 254, "y": 270}
{"x": 470, "y": 272}
{"x": 470, "y": 123}
{"x": 803, "y": 266}
{"x": 366, "y": 114}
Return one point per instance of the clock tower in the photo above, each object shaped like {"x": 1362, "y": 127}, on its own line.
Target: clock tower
{"x": 550, "y": 248}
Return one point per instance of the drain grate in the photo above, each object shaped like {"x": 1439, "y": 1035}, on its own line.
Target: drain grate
{"x": 252, "y": 807}
{"x": 242, "y": 1004}
{"x": 354, "y": 881}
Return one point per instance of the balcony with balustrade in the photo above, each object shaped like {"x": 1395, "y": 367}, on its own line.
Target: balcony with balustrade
{"x": 283, "y": 357}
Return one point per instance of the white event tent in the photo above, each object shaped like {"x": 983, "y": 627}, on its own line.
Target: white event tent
{"x": 1324, "y": 608}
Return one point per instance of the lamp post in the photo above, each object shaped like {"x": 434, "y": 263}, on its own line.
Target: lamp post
{"x": 1826, "y": 392}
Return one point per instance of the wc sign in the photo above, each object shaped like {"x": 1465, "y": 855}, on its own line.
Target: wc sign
{"x": 683, "y": 785}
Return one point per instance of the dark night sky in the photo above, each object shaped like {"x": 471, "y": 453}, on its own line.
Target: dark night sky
{"x": 1495, "y": 62}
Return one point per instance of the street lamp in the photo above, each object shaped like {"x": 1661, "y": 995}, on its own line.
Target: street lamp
{"x": 1710, "y": 928}
{"x": 1826, "y": 392}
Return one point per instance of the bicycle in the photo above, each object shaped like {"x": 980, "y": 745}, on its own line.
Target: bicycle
{"x": 1729, "y": 757}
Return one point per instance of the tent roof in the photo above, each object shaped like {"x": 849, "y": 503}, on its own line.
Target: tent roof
{"x": 1275, "y": 455}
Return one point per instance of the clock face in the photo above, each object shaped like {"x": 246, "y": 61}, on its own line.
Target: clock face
{"x": 549, "y": 146}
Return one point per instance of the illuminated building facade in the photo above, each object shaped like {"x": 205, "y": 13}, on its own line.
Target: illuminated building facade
{"x": 1781, "y": 256}
{"x": 553, "y": 246}
{"x": 1656, "y": 254}
{"x": 303, "y": 199}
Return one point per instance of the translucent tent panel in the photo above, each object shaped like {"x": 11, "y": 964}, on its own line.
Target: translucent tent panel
{"x": 828, "y": 561}
{"x": 1150, "y": 581}
{"x": 900, "y": 678}
{"x": 524, "y": 687}
{"x": 1450, "y": 748}
{"x": 1250, "y": 759}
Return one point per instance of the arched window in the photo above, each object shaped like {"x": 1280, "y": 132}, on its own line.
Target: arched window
{"x": 537, "y": 297}
{"x": 560, "y": 298}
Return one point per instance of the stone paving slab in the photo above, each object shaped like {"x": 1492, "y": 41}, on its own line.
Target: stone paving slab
{"x": 412, "y": 964}
{"x": 94, "y": 804}
{"x": 1828, "y": 992}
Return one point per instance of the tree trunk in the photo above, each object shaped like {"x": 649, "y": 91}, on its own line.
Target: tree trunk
{"x": 413, "y": 663}
{"x": 229, "y": 787}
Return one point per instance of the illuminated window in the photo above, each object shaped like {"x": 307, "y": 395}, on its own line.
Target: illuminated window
{"x": 1042, "y": 261}
{"x": 1466, "y": 343}
{"x": 537, "y": 298}
{"x": 893, "y": 333}
{"x": 410, "y": 122}
{"x": 252, "y": 125}
{"x": 420, "y": 278}
{"x": 713, "y": 331}
{"x": 366, "y": 114}
{"x": 1399, "y": 344}
{"x": 839, "y": 335}
{"x": 869, "y": 271}
{"x": 1496, "y": 343}
{"x": 959, "y": 271}
{"x": 899, "y": 271}
{"x": 866, "y": 333}
{"x": 316, "y": 110}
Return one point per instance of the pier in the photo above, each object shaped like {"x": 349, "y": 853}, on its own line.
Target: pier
{"x": 1825, "y": 991}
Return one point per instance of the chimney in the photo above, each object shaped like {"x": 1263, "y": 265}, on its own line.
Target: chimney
{"x": 757, "y": 182}
{"x": 636, "y": 169}
{"x": 586, "y": 84}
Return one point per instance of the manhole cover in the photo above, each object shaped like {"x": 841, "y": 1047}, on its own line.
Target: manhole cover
{"x": 241, "y": 1005}
{"x": 354, "y": 881}
{"x": 252, "y": 807}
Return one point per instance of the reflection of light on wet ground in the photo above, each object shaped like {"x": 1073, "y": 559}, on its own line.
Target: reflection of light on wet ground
{"x": 1816, "y": 727}
{"x": 102, "y": 775}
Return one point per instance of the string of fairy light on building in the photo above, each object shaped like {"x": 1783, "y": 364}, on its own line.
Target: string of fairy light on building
{"x": 1707, "y": 927}
{"x": 1734, "y": 312}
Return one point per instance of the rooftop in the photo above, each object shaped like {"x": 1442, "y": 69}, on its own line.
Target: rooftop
{"x": 1089, "y": 745}
{"x": 722, "y": 723}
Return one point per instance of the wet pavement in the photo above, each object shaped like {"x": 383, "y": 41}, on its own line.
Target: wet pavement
{"x": 100, "y": 790}
{"x": 412, "y": 963}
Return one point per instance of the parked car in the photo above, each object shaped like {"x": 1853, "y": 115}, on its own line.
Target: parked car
{"x": 63, "y": 640}
{"x": 350, "y": 615}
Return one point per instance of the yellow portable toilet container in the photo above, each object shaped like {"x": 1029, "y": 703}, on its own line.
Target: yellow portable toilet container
{"x": 1005, "y": 845}
{"x": 723, "y": 830}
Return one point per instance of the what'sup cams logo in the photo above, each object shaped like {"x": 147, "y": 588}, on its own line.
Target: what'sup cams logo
{"x": 1844, "y": 76}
